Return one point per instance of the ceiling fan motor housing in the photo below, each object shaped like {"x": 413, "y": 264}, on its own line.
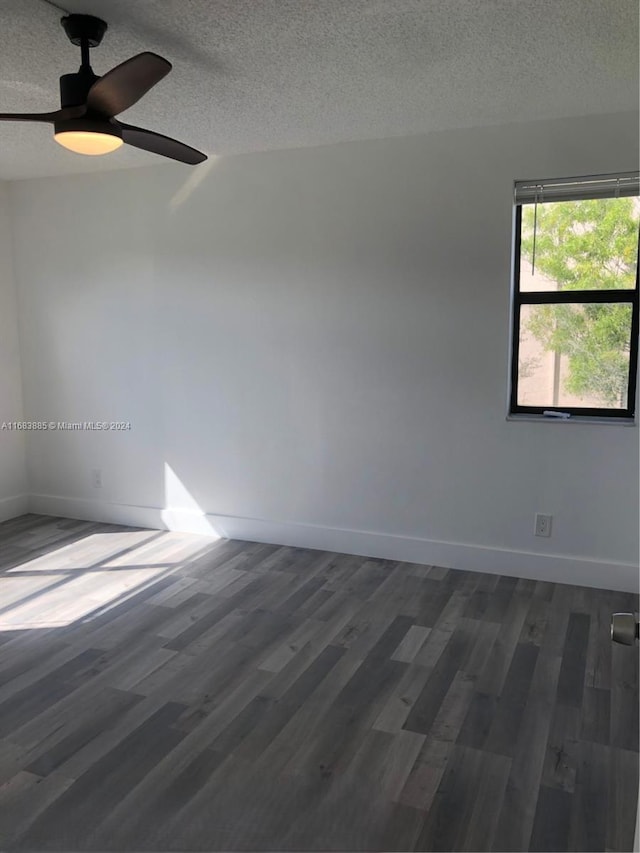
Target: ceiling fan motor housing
{"x": 74, "y": 88}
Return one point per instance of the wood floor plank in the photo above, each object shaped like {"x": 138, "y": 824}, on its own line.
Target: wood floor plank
{"x": 624, "y": 718}
{"x": 552, "y": 820}
{"x": 599, "y": 651}
{"x": 60, "y": 682}
{"x": 13, "y": 759}
{"x": 574, "y": 660}
{"x": 98, "y": 790}
{"x": 395, "y": 711}
{"x": 351, "y": 715}
{"x": 304, "y": 655}
{"x": 596, "y": 715}
{"x": 110, "y": 706}
{"x": 140, "y": 814}
{"x": 498, "y": 605}
{"x": 563, "y": 749}
{"x": 505, "y": 728}
{"x": 479, "y": 720}
{"x": 185, "y": 693}
{"x": 623, "y": 798}
{"x": 276, "y": 713}
{"x": 426, "y": 774}
{"x": 588, "y": 827}
{"x": 452, "y": 807}
{"x": 517, "y": 812}
{"x": 411, "y": 644}
{"x": 484, "y": 637}
{"x": 23, "y": 799}
{"x": 453, "y": 710}
{"x": 287, "y": 749}
{"x": 427, "y": 705}
{"x": 492, "y": 677}
{"x": 479, "y": 832}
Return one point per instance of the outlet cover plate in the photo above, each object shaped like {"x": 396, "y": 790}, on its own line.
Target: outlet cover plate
{"x": 543, "y": 525}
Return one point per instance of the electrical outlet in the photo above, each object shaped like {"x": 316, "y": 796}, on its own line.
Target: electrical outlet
{"x": 96, "y": 478}
{"x": 543, "y": 525}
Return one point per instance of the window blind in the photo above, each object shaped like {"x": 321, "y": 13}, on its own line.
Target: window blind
{"x": 574, "y": 189}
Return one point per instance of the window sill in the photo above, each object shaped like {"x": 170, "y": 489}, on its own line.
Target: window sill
{"x": 575, "y": 419}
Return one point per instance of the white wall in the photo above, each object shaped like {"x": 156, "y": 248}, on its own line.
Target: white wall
{"x": 13, "y": 485}
{"x": 316, "y": 343}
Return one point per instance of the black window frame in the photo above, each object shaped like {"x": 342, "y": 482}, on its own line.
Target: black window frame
{"x": 578, "y": 297}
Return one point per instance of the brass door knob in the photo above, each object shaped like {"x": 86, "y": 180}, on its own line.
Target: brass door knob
{"x": 624, "y": 628}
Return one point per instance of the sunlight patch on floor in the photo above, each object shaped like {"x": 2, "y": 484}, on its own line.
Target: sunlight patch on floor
{"x": 89, "y": 576}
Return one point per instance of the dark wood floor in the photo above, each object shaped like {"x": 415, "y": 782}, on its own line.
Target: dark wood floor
{"x": 168, "y": 692}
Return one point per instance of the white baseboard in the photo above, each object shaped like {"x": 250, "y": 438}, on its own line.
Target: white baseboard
{"x": 13, "y": 507}
{"x": 558, "y": 568}
{"x": 92, "y": 510}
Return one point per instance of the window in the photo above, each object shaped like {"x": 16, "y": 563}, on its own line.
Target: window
{"x": 575, "y": 305}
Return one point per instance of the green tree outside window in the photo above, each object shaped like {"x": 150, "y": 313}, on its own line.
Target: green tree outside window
{"x": 586, "y": 245}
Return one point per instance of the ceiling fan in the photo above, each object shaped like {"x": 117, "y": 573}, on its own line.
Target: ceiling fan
{"x": 86, "y": 122}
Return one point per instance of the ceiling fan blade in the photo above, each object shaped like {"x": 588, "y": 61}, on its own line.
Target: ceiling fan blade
{"x": 57, "y": 115}
{"x": 147, "y": 140}
{"x": 125, "y": 84}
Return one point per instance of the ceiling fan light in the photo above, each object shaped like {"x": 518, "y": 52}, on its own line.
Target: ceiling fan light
{"x": 88, "y": 142}
{"x": 85, "y": 137}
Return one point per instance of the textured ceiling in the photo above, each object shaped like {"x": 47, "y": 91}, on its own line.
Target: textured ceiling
{"x": 264, "y": 74}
